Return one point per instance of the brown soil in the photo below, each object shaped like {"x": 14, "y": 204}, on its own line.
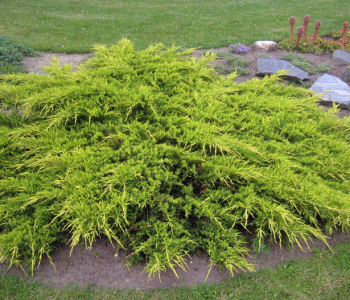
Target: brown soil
{"x": 36, "y": 63}
{"x": 101, "y": 265}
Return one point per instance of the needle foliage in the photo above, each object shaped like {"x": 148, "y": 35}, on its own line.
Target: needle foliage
{"x": 156, "y": 152}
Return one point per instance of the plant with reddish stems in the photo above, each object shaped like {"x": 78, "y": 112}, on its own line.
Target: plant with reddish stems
{"x": 300, "y": 33}
{"x": 292, "y": 21}
{"x": 314, "y": 43}
{"x": 318, "y": 25}
{"x": 345, "y": 24}
{"x": 306, "y": 22}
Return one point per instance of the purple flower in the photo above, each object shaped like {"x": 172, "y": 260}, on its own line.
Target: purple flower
{"x": 313, "y": 77}
{"x": 346, "y": 73}
{"x": 238, "y": 48}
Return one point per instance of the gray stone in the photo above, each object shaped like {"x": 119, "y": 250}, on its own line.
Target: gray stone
{"x": 332, "y": 89}
{"x": 267, "y": 65}
{"x": 341, "y": 57}
{"x": 265, "y": 46}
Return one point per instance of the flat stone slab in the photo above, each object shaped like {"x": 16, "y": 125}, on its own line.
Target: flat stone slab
{"x": 267, "y": 65}
{"x": 335, "y": 89}
{"x": 341, "y": 57}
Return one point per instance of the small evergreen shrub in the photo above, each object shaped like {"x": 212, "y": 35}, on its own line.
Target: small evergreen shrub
{"x": 233, "y": 64}
{"x": 158, "y": 154}
{"x": 220, "y": 53}
{"x": 323, "y": 68}
{"x": 236, "y": 61}
{"x": 305, "y": 64}
{"x": 300, "y": 61}
{"x": 8, "y": 68}
{"x": 12, "y": 55}
{"x": 220, "y": 69}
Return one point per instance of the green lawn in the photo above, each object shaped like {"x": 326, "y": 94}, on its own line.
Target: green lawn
{"x": 75, "y": 25}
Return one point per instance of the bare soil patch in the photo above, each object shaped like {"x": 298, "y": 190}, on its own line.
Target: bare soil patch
{"x": 36, "y": 63}
{"x": 102, "y": 266}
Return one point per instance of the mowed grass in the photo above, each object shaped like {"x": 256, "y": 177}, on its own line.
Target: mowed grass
{"x": 325, "y": 275}
{"x": 76, "y": 25}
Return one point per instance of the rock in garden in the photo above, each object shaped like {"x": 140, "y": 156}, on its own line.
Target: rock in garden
{"x": 265, "y": 46}
{"x": 341, "y": 57}
{"x": 267, "y": 65}
{"x": 335, "y": 89}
